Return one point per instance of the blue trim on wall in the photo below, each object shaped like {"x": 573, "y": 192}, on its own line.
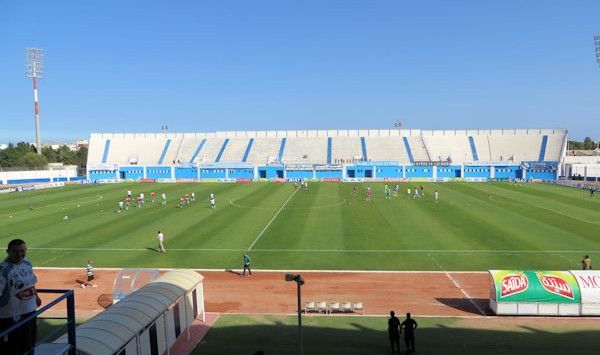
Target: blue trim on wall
{"x": 164, "y": 152}
{"x": 543, "y": 148}
{"x": 473, "y": 149}
{"x": 106, "y": 147}
{"x": 248, "y": 148}
{"x": 223, "y": 147}
{"x": 363, "y": 143}
{"x": 329, "y": 142}
{"x": 407, "y": 146}
{"x": 198, "y": 149}
{"x": 281, "y": 149}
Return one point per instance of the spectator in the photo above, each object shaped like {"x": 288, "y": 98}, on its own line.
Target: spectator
{"x": 586, "y": 263}
{"x": 409, "y": 326}
{"x": 394, "y": 331}
{"x": 18, "y": 299}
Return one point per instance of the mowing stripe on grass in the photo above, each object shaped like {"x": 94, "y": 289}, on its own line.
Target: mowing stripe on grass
{"x": 272, "y": 219}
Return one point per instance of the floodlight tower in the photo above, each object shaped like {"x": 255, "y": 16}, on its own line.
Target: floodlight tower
{"x": 34, "y": 68}
{"x": 597, "y": 41}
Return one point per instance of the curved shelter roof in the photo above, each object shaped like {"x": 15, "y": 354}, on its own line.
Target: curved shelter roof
{"x": 112, "y": 329}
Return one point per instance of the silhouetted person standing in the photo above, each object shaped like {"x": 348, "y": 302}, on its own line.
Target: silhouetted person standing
{"x": 394, "y": 331}
{"x": 409, "y": 325}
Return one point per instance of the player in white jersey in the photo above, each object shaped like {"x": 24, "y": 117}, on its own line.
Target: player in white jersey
{"x": 129, "y": 193}
{"x": 163, "y": 196}
{"x": 436, "y": 195}
{"x": 160, "y": 236}
{"x": 193, "y": 197}
{"x": 212, "y": 201}
{"x": 142, "y": 196}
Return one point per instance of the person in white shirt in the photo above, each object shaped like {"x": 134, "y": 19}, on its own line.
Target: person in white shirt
{"x": 212, "y": 201}
{"x": 436, "y": 196}
{"x": 193, "y": 196}
{"x": 163, "y": 196}
{"x": 129, "y": 193}
{"x": 18, "y": 299}
{"x": 161, "y": 238}
{"x": 142, "y": 196}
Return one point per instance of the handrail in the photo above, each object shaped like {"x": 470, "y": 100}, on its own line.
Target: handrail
{"x": 69, "y": 295}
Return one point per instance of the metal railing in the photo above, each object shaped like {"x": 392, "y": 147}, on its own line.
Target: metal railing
{"x": 69, "y": 295}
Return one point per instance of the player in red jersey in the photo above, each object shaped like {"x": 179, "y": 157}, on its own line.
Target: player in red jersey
{"x": 187, "y": 198}
{"x": 127, "y": 202}
{"x": 139, "y": 201}
{"x": 152, "y": 195}
{"x": 181, "y": 202}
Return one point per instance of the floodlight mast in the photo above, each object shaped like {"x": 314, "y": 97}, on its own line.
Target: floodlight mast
{"x": 597, "y": 41}
{"x": 34, "y": 68}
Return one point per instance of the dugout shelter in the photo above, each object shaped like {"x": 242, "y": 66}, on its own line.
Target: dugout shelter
{"x": 148, "y": 321}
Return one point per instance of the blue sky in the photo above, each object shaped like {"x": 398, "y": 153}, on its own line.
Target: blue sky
{"x": 125, "y": 66}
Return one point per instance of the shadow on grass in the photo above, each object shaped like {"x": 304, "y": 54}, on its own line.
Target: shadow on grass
{"x": 354, "y": 335}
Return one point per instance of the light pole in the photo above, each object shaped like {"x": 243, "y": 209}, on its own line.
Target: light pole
{"x": 597, "y": 42}
{"x": 34, "y": 68}
{"x": 299, "y": 281}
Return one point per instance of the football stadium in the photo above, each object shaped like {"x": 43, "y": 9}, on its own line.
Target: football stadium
{"x": 287, "y": 241}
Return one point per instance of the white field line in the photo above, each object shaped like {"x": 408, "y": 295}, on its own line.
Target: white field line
{"x": 51, "y": 260}
{"x": 271, "y": 221}
{"x": 276, "y": 271}
{"x": 458, "y": 285}
{"x": 97, "y": 199}
{"x": 405, "y": 251}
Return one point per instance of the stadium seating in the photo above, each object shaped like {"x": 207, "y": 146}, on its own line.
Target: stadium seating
{"x": 387, "y": 149}
{"x": 346, "y": 149}
{"x": 448, "y": 147}
{"x": 305, "y": 150}
{"x": 311, "y": 147}
{"x": 263, "y": 150}
{"x": 235, "y": 150}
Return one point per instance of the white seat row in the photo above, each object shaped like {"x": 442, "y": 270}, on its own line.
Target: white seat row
{"x": 334, "y": 307}
{"x": 147, "y": 149}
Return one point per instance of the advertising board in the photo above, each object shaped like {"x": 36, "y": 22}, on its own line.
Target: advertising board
{"x": 529, "y": 286}
{"x": 589, "y": 286}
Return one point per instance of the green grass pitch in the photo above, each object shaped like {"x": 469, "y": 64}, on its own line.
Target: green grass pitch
{"x": 474, "y": 226}
{"x": 240, "y": 334}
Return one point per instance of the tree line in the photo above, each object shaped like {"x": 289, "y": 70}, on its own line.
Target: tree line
{"x": 587, "y": 144}
{"x": 24, "y": 155}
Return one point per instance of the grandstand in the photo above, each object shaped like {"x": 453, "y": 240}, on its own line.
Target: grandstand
{"x": 414, "y": 153}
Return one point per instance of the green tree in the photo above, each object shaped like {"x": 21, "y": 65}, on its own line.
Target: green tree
{"x": 588, "y": 144}
{"x": 33, "y": 160}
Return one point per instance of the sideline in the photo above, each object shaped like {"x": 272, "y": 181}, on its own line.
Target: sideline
{"x": 278, "y": 271}
{"x": 458, "y": 286}
{"x": 382, "y": 251}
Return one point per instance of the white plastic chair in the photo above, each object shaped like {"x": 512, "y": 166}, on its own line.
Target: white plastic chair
{"x": 334, "y": 307}
{"x": 322, "y": 307}
{"x": 358, "y": 306}
{"x": 310, "y": 306}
